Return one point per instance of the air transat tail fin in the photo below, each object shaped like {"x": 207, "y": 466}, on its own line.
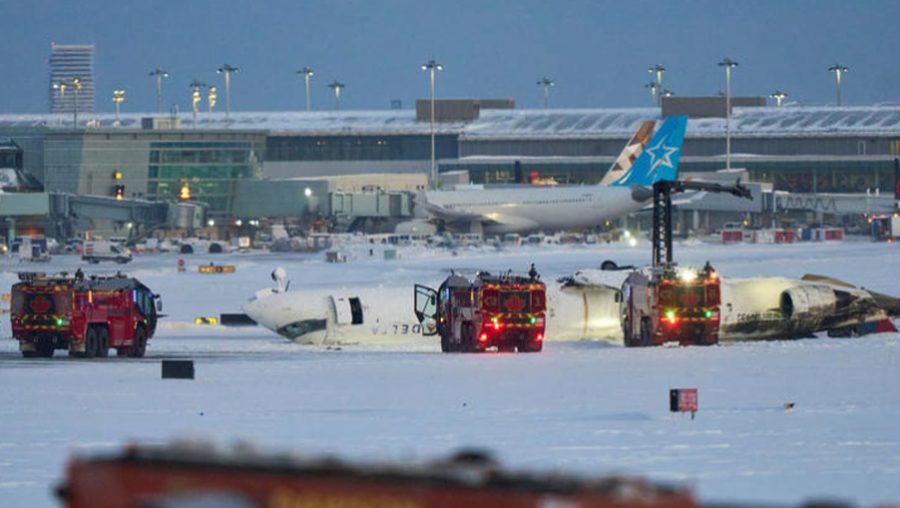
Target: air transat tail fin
{"x": 659, "y": 160}
{"x": 630, "y": 153}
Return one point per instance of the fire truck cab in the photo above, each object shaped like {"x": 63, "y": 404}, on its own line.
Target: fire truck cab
{"x": 671, "y": 304}
{"x": 483, "y": 311}
{"x": 86, "y": 316}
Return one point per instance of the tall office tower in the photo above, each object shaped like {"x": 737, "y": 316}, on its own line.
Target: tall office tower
{"x": 71, "y": 64}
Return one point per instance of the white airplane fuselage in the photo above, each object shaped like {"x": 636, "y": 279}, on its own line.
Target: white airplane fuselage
{"x": 528, "y": 208}
{"x": 752, "y": 309}
{"x": 322, "y": 317}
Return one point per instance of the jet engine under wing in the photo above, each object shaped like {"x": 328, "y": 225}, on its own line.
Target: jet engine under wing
{"x": 766, "y": 308}
{"x": 890, "y": 304}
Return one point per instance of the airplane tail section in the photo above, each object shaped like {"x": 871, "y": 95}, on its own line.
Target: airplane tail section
{"x": 630, "y": 153}
{"x": 659, "y": 160}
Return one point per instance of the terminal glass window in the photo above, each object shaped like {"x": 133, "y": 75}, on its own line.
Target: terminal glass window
{"x": 358, "y": 147}
{"x": 210, "y": 168}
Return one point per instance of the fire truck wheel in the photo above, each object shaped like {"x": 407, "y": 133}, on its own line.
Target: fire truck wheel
{"x": 102, "y": 343}
{"x": 708, "y": 341}
{"x": 30, "y": 354}
{"x": 645, "y": 332}
{"x": 140, "y": 343}
{"x": 531, "y": 347}
{"x": 90, "y": 343}
{"x": 467, "y": 344}
{"x": 445, "y": 344}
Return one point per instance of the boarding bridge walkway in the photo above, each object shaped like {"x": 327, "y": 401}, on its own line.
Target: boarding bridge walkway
{"x": 838, "y": 204}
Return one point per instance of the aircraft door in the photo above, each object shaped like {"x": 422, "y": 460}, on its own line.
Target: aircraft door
{"x": 426, "y": 309}
{"x": 347, "y": 311}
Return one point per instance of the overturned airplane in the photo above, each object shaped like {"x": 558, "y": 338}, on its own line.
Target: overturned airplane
{"x": 585, "y": 306}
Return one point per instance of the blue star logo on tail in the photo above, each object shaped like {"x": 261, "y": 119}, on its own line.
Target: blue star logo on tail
{"x": 659, "y": 161}
{"x": 661, "y": 155}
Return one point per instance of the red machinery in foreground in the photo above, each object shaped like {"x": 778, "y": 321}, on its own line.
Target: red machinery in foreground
{"x": 196, "y": 475}
{"x": 505, "y": 311}
{"x": 86, "y": 316}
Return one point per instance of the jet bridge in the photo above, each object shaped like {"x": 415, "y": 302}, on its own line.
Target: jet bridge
{"x": 61, "y": 215}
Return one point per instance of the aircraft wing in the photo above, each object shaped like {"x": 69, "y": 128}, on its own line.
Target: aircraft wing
{"x": 645, "y": 193}
{"x": 453, "y": 215}
{"x": 765, "y": 308}
{"x": 889, "y": 303}
{"x": 447, "y": 214}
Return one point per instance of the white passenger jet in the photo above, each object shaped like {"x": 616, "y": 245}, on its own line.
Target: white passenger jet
{"x": 625, "y": 189}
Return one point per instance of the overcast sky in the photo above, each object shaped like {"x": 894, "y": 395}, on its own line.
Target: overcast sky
{"x": 598, "y": 52}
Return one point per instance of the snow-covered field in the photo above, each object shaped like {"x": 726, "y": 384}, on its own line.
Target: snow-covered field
{"x": 582, "y": 407}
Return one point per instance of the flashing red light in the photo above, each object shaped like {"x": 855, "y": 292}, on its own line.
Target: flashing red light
{"x": 539, "y": 337}
{"x": 497, "y": 325}
{"x": 482, "y": 337}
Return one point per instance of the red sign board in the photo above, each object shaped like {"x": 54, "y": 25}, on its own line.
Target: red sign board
{"x": 683, "y": 400}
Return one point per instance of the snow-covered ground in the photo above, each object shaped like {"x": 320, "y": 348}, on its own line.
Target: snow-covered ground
{"x": 582, "y": 407}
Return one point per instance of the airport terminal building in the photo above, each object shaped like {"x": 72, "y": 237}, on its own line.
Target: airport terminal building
{"x": 284, "y": 163}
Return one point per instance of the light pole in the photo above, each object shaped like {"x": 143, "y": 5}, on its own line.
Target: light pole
{"x": 728, "y": 64}
{"x": 838, "y": 71}
{"x": 652, "y": 86}
{"x": 546, "y": 83}
{"x": 227, "y": 70}
{"x": 196, "y": 85}
{"x": 118, "y": 99}
{"x": 159, "y": 74}
{"x": 211, "y": 96}
{"x": 431, "y": 66}
{"x": 307, "y": 73}
{"x": 76, "y": 85}
{"x": 779, "y": 97}
{"x": 61, "y": 86}
{"x": 337, "y": 86}
{"x": 658, "y": 71}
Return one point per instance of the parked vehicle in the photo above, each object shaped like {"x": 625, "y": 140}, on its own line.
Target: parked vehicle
{"x": 103, "y": 250}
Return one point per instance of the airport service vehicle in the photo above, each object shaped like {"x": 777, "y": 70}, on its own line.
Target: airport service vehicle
{"x": 198, "y": 474}
{"x": 86, "y": 316}
{"x": 475, "y": 313}
{"x": 31, "y": 248}
{"x": 102, "y": 250}
{"x": 885, "y": 227}
{"x": 667, "y": 304}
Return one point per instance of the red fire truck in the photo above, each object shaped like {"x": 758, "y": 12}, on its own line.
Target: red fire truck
{"x": 86, "y": 316}
{"x": 475, "y": 313}
{"x": 668, "y": 304}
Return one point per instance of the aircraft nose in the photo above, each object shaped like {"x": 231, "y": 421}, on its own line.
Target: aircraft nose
{"x": 255, "y": 311}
